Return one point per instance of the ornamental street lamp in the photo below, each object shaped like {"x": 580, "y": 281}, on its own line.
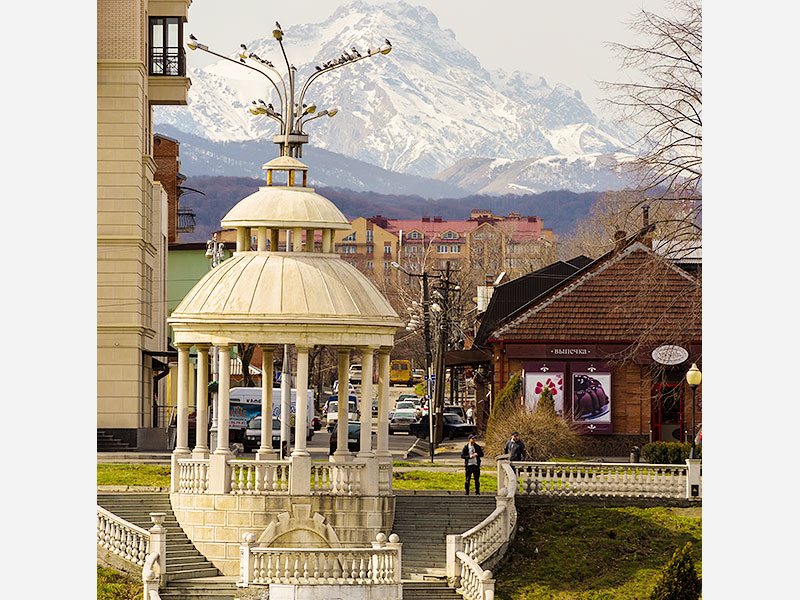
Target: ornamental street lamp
{"x": 292, "y": 113}
{"x": 693, "y": 378}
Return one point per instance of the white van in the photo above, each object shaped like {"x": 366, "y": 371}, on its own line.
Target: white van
{"x": 354, "y": 374}
{"x": 245, "y": 404}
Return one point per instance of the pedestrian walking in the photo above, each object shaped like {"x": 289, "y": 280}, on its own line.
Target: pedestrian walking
{"x": 472, "y": 453}
{"x": 470, "y": 415}
{"x": 515, "y": 448}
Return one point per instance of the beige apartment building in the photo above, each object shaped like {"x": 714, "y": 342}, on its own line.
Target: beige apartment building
{"x": 486, "y": 242}
{"x": 140, "y": 64}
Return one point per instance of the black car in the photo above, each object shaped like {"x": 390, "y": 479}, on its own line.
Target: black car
{"x": 252, "y": 437}
{"x": 454, "y": 427}
{"x": 353, "y": 437}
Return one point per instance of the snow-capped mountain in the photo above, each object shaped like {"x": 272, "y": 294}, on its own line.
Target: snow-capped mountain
{"x": 574, "y": 172}
{"x": 418, "y": 110}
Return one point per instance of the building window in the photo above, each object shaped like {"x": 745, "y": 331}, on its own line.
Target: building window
{"x": 415, "y": 235}
{"x": 387, "y": 247}
{"x": 370, "y": 248}
{"x": 442, "y": 249}
{"x": 167, "y": 56}
{"x": 455, "y": 249}
{"x": 370, "y": 265}
{"x": 449, "y": 235}
{"x": 369, "y": 235}
{"x": 350, "y": 238}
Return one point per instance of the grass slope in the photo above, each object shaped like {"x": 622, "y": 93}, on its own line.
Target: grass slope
{"x": 592, "y": 552}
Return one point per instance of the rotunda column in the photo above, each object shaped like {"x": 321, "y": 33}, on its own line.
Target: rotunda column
{"x": 309, "y": 240}
{"x": 262, "y": 239}
{"x": 224, "y": 401}
{"x": 383, "y": 405}
{"x": 182, "y": 443}
{"x": 201, "y": 444}
{"x": 327, "y": 241}
{"x": 341, "y": 454}
{"x": 301, "y": 408}
{"x": 265, "y": 451}
{"x": 297, "y": 239}
{"x": 366, "y": 402}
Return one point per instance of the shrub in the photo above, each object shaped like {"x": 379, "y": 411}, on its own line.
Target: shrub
{"x": 667, "y": 453}
{"x": 546, "y": 435}
{"x": 678, "y": 579}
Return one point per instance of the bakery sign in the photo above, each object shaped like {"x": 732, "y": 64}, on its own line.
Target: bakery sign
{"x": 670, "y": 355}
{"x": 570, "y": 351}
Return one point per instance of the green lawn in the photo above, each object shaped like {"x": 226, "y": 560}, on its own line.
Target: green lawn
{"x": 594, "y": 553}
{"x": 133, "y": 475}
{"x": 113, "y": 585}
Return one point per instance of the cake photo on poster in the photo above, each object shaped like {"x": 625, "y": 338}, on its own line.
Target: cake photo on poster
{"x": 591, "y": 397}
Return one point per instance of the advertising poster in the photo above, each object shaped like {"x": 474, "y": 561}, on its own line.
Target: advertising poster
{"x": 591, "y": 398}
{"x": 544, "y": 375}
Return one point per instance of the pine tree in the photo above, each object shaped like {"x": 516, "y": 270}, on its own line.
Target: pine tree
{"x": 678, "y": 579}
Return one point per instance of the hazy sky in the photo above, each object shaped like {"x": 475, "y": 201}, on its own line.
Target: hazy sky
{"x": 561, "y": 40}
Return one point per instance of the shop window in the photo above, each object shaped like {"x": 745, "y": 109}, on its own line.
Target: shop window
{"x": 167, "y": 56}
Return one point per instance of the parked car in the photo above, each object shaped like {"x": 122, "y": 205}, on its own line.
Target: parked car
{"x": 354, "y": 374}
{"x": 252, "y": 435}
{"x": 417, "y": 376}
{"x": 407, "y": 397}
{"x": 454, "y": 427}
{"x": 401, "y": 420}
{"x": 456, "y": 410}
{"x": 331, "y": 410}
{"x": 405, "y": 405}
{"x": 353, "y": 438}
{"x": 350, "y": 388}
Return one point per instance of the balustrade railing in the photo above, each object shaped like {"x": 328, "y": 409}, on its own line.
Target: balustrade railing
{"x": 337, "y": 478}
{"x": 379, "y": 565}
{"x": 476, "y": 584}
{"x": 259, "y": 477}
{"x": 193, "y": 475}
{"x": 602, "y": 479}
{"x": 122, "y": 538}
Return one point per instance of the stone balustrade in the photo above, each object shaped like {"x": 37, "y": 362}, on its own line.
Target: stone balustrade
{"x": 259, "y": 477}
{"x": 602, "y": 479}
{"x": 337, "y": 478}
{"x": 193, "y": 475}
{"x": 378, "y": 565}
{"x": 273, "y": 477}
{"x": 475, "y": 583}
{"x": 126, "y": 540}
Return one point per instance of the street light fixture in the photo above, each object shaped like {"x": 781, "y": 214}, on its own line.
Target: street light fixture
{"x": 693, "y": 378}
{"x": 291, "y": 137}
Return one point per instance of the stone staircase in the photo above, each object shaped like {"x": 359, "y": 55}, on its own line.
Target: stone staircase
{"x": 189, "y": 574}
{"x": 423, "y": 521}
{"x": 108, "y": 443}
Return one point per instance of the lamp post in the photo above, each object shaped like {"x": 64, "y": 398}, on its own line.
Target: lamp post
{"x": 292, "y": 113}
{"x": 693, "y": 378}
{"x": 215, "y": 253}
{"x": 426, "y": 324}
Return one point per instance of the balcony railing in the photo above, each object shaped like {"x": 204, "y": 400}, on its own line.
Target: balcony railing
{"x": 168, "y": 61}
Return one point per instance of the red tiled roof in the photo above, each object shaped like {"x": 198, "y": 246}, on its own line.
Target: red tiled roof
{"x": 633, "y": 295}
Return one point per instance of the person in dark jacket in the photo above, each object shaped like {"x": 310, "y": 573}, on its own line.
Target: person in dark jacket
{"x": 472, "y": 453}
{"x": 515, "y": 448}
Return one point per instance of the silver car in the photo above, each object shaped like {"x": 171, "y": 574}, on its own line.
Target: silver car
{"x": 401, "y": 419}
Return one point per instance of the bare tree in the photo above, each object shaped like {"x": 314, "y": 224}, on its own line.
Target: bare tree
{"x": 667, "y": 103}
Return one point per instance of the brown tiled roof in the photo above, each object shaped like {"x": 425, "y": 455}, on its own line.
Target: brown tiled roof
{"x": 632, "y": 295}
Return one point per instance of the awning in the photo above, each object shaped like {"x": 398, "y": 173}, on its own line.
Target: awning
{"x": 467, "y": 358}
